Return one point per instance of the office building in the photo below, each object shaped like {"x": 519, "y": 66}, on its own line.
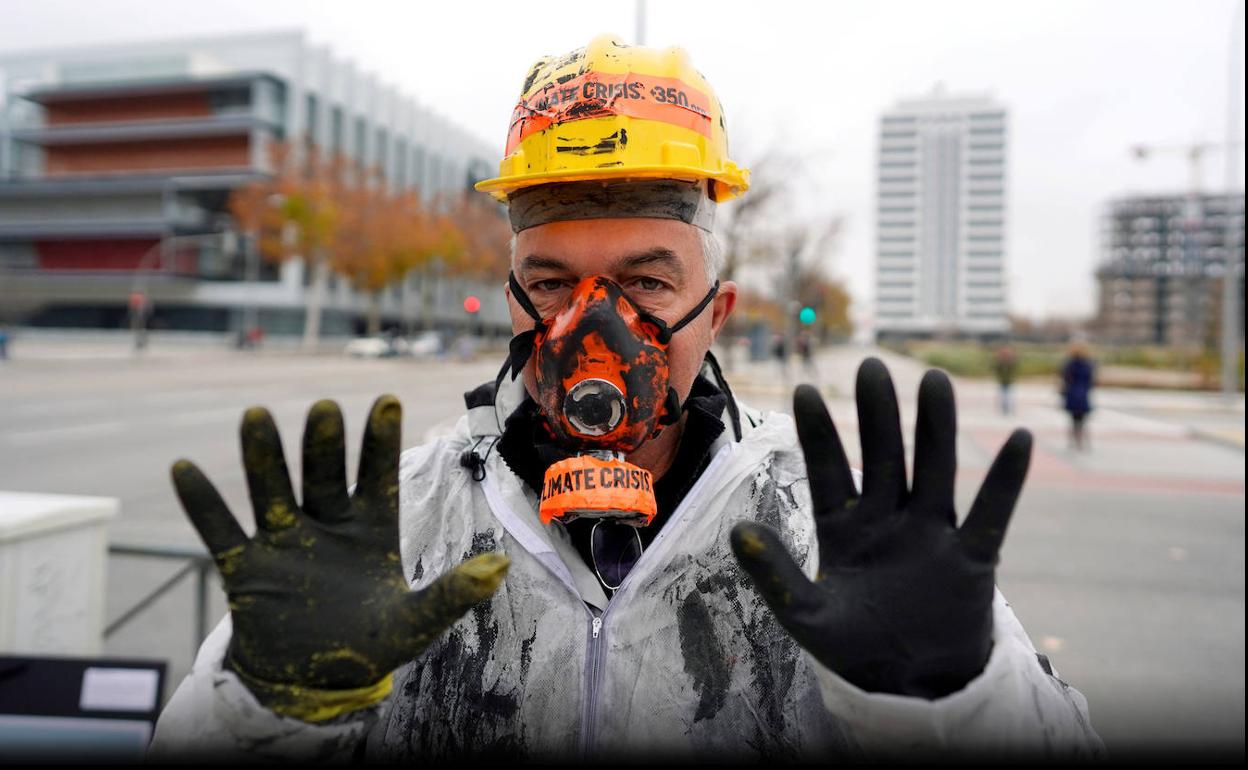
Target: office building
{"x": 940, "y": 243}
{"x": 116, "y": 165}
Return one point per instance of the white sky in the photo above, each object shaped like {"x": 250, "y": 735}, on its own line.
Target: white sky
{"x": 1084, "y": 80}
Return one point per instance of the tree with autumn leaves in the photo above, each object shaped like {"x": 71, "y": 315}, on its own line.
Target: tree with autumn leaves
{"x": 345, "y": 220}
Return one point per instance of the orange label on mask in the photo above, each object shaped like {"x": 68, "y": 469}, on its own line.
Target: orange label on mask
{"x": 586, "y": 486}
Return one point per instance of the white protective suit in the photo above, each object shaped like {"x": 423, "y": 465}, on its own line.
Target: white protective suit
{"x": 686, "y": 661}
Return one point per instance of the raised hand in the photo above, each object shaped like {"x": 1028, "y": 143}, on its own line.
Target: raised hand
{"x": 902, "y": 602}
{"x": 321, "y": 610}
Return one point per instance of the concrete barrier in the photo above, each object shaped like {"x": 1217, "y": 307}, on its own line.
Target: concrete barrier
{"x": 53, "y": 554}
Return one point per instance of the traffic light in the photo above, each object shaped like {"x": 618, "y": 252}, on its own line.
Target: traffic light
{"x": 807, "y": 316}
{"x": 471, "y": 304}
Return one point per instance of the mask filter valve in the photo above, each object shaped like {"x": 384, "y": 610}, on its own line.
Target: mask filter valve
{"x": 594, "y": 407}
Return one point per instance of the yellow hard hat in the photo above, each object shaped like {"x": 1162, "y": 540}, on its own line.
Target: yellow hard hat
{"x": 612, "y": 111}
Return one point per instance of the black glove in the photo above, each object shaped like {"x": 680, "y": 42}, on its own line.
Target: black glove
{"x": 902, "y": 602}
{"x": 319, "y": 601}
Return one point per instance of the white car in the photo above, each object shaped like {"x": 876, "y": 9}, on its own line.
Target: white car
{"x": 377, "y": 347}
{"x": 425, "y": 344}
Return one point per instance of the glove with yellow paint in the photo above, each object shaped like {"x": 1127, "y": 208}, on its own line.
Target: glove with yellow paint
{"x": 322, "y": 613}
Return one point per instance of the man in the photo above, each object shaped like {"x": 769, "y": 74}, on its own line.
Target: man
{"x": 765, "y": 608}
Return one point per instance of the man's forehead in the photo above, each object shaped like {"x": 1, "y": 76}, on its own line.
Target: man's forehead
{"x": 608, "y": 246}
{"x": 658, "y": 257}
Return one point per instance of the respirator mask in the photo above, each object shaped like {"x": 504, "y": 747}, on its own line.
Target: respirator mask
{"x": 602, "y": 377}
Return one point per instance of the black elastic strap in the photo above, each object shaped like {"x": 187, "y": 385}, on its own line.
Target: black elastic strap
{"x": 666, "y": 332}
{"x": 522, "y": 298}
{"x": 697, "y": 311}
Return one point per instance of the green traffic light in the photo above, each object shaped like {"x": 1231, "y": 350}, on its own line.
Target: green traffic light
{"x": 807, "y": 316}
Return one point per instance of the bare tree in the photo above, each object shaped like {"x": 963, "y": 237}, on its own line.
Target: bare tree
{"x": 762, "y": 229}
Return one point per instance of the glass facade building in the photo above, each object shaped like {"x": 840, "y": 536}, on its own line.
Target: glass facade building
{"x": 116, "y": 165}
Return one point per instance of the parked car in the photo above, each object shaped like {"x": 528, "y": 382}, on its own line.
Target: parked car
{"x": 377, "y": 347}
{"x": 426, "y": 344}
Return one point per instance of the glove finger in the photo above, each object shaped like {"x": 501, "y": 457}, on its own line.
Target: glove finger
{"x": 935, "y": 448}
{"x": 268, "y": 480}
{"x": 325, "y": 465}
{"x": 831, "y": 481}
{"x": 984, "y": 529}
{"x": 208, "y": 513}
{"x": 378, "y": 480}
{"x": 783, "y": 585}
{"x": 431, "y": 611}
{"x": 879, "y": 425}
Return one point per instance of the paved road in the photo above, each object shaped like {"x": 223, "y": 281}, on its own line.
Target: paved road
{"x": 1126, "y": 563}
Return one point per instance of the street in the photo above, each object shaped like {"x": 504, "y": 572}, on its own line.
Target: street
{"x": 1125, "y": 563}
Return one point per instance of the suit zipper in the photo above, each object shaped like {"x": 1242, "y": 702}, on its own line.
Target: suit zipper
{"x": 597, "y": 649}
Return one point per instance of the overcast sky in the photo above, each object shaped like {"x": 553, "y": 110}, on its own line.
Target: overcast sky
{"x": 1083, "y": 80}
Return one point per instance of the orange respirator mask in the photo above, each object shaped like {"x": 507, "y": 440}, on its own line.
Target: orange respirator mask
{"x": 603, "y": 386}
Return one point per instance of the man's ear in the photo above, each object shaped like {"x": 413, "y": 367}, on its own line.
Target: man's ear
{"x": 721, "y": 307}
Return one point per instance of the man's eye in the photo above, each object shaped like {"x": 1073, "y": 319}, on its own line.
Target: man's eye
{"x": 550, "y": 284}
{"x": 649, "y": 284}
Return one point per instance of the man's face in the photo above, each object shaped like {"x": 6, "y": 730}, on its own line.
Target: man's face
{"x": 658, "y": 262}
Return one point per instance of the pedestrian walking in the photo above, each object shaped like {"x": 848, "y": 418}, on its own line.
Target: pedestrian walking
{"x": 1006, "y": 367}
{"x": 780, "y": 351}
{"x": 1078, "y": 375}
{"x": 806, "y": 351}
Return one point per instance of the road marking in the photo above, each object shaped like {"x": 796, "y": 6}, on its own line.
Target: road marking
{"x": 48, "y": 435}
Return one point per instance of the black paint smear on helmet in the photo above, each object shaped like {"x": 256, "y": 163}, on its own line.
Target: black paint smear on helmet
{"x": 607, "y": 144}
{"x": 530, "y": 78}
{"x": 589, "y": 108}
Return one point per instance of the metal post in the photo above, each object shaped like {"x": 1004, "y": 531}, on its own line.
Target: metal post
{"x": 1230, "y": 281}
{"x": 251, "y": 275}
{"x": 641, "y": 22}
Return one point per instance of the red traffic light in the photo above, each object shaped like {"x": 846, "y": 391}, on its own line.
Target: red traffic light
{"x": 472, "y": 304}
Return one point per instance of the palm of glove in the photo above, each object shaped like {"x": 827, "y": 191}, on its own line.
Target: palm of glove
{"x": 902, "y": 602}
{"x": 317, "y": 596}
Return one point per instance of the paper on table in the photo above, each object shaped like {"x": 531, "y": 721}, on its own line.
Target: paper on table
{"x": 118, "y": 689}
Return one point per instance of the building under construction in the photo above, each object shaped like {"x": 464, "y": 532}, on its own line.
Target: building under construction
{"x": 1163, "y": 262}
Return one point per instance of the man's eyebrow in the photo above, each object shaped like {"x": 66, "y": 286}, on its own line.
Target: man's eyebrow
{"x": 539, "y": 262}
{"x": 661, "y": 256}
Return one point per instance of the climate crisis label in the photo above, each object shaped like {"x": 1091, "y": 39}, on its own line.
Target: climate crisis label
{"x": 601, "y": 94}
{"x": 589, "y": 479}
{"x": 585, "y": 485}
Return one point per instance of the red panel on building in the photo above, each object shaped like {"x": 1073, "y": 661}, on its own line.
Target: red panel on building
{"x": 113, "y": 254}
{"x": 161, "y": 107}
{"x": 164, "y": 155}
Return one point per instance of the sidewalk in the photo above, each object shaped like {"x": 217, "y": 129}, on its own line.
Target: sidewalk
{"x": 1170, "y": 413}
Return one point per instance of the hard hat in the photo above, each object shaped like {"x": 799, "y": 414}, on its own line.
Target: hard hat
{"x": 612, "y": 111}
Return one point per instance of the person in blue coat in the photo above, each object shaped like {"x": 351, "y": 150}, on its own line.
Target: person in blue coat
{"x": 1078, "y": 375}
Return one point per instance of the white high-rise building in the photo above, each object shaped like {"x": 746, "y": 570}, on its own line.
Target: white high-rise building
{"x": 940, "y": 247}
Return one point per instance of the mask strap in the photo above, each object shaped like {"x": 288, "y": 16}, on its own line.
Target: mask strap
{"x": 666, "y": 332}
{"x": 522, "y": 298}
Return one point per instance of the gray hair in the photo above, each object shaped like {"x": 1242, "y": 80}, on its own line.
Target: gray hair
{"x": 712, "y": 254}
